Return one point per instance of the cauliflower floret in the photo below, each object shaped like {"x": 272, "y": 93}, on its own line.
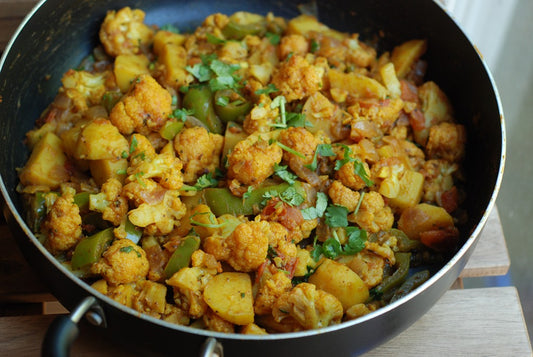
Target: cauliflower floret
{"x": 217, "y": 246}
{"x": 122, "y": 263}
{"x": 381, "y": 112}
{"x": 295, "y": 44}
{"x": 270, "y": 292}
{"x": 123, "y": 32}
{"x": 201, "y": 259}
{"x": 145, "y": 108}
{"x": 261, "y": 117}
{"x": 311, "y": 307}
{"x": 159, "y": 218}
{"x": 297, "y": 78}
{"x": 248, "y": 246}
{"x": 373, "y": 214}
{"x": 252, "y": 160}
{"x": 342, "y": 195}
{"x": 62, "y": 225}
{"x": 110, "y": 202}
{"x": 347, "y": 174}
{"x": 369, "y": 267}
{"x": 302, "y": 141}
{"x": 437, "y": 178}
{"x": 199, "y": 151}
{"x": 84, "y": 88}
{"x": 446, "y": 141}
{"x": 164, "y": 168}
{"x": 283, "y": 248}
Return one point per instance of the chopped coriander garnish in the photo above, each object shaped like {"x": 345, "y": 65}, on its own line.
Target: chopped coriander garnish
{"x": 359, "y": 203}
{"x": 282, "y": 172}
{"x": 271, "y": 88}
{"x": 274, "y": 38}
{"x": 314, "y": 46}
{"x": 337, "y": 216}
{"x": 130, "y": 249}
{"x": 323, "y": 150}
{"x": 121, "y": 172}
{"x": 170, "y": 28}
{"x": 181, "y": 114}
{"x": 248, "y": 192}
{"x": 133, "y": 144}
{"x": 290, "y": 196}
{"x": 297, "y": 120}
{"x": 319, "y": 209}
{"x": 292, "y": 151}
{"x": 205, "y": 181}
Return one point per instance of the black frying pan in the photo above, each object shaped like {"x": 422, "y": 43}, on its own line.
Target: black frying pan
{"x": 58, "y": 34}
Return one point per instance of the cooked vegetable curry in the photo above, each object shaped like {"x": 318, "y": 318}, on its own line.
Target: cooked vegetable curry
{"x": 257, "y": 175}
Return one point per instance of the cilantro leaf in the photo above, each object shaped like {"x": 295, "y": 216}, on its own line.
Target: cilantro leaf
{"x": 181, "y": 114}
{"x": 248, "y": 192}
{"x": 337, "y": 216}
{"x": 271, "y": 88}
{"x": 170, "y": 28}
{"x": 291, "y": 150}
{"x": 331, "y": 248}
{"x": 319, "y": 209}
{"x": 323, "y": 150}
{"x": 205, "y": 181}
{"x": 200, "y": 71}
{"x": 274, "y": 38}
{"x": 282, "y": 173}
{"x": 134, "y": 143}
{"x": 356, "y": 240}
{"x": 314, "y": 46}
{"x": 291, "y": 197}
{"x": 222, "y": 101}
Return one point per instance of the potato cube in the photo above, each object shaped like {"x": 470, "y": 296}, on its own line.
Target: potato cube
{"x": 229, "y": 295}
{"x": 411, "y": 185}
{"x": 163, "y": 38}
{"x": 341, "y": 282}
{"x": 405, "y": 56}
{"x": 422, "y": 218}
{"x": 129, "y": 67}
{"x": 388, "y": 74}
{"x": 356, "y": 84}
{"x": 100, "y": 140}
{"x": 46, "y": 165}
{"x": 303, "y": 24}
{"x": 103, "y": 170}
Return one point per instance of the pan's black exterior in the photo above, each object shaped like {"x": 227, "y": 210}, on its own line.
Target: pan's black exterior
{"x": 58, "y": 34}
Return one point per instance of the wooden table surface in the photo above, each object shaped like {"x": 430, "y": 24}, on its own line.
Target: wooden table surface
{"x": 464, "y": 322}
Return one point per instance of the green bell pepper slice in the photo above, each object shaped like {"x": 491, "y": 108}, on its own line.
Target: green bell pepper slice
{"x": 236, "y": 108}
{"x": 398, "y": 277}
{"x": 170, "y": 129}
{"x": 133, "y": 233}
{"x": 90, "y": 249}
{"x": 182, "y": 255}
{"x": 411, "y": 284}
{"x": 199, "y": 99}
{"x": 235, "y": 31}
{"x": 222, "y": 201}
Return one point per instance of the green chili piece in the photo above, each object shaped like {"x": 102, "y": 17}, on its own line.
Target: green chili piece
{"x": 235, "y": 110}
{"x": 90, "y": 249}
{"x": 222, "y": 201}
{"x": 171, "y": 128}
{"x": 133, "y": 233}
{"x": 405, "y": 244}
{"x": 411, "y": 284}
{"x": 182, "y": 255}
{"x": 235, "y": 31}
{"x": 398, "y": 277}
{"x": 200, "y": 100}
{"x": 36, "y": 210}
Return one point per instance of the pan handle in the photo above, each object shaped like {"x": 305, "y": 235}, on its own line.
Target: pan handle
{"x": 64, "y": 330}
{"x": 212, "y": 348}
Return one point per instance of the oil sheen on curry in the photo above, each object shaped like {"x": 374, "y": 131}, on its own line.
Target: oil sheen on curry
{"x": 258, "y": 175}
